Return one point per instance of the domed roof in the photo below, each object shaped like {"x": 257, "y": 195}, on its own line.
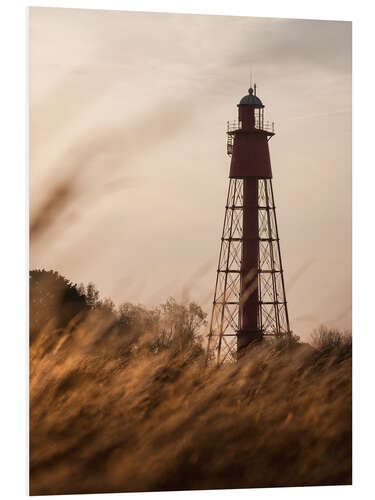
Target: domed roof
{"x": 251, "y": 100}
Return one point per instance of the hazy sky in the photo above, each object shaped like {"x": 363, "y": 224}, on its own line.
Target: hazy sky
{"x": 128, "y": 164}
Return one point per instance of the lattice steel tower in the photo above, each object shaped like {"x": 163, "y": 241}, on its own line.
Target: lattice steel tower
{"x": 249, "y": 301}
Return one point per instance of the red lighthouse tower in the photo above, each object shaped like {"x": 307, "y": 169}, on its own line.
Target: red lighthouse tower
{"x": 249, "y": 301}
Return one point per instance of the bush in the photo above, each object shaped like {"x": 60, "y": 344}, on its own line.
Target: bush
{"x": 325, "y": 339}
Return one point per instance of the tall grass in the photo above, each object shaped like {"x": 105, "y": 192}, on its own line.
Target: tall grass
{"x": 112, "y": 413}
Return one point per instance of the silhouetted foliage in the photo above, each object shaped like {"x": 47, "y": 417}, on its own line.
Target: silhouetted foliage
{"x": 180, "y": 327}
{"x": 327, "y": 339}
{"x": 169, "y": 326}
{"x": 52, "y": 297}
{"x": 107, "y": 305}
{"x": 92, "y": 296}
{"x": 137, "y": 318}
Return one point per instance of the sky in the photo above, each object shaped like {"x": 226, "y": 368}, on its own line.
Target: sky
{"x": 128, "y": 164}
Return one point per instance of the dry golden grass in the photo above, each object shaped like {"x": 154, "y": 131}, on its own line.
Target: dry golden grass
{"x": 109, "y": 415}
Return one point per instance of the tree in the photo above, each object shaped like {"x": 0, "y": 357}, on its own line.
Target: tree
{"x": 52, "y": 297}
{"x": 92, "y": 296}
{"x": 181, "y": 325}
{"x": 137, "y": 319}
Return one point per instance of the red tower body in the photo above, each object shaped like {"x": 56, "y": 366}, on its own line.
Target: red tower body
{"x": 249, "y": 301}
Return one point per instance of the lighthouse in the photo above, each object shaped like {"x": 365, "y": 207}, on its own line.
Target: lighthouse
{"x": 249, "y": 299}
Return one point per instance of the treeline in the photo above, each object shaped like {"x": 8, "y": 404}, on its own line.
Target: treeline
{"x": 56, "y": 302}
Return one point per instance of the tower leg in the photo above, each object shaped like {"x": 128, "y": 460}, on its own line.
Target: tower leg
{"x": 224, "y": 323}
{"x": 273, "y": 309}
